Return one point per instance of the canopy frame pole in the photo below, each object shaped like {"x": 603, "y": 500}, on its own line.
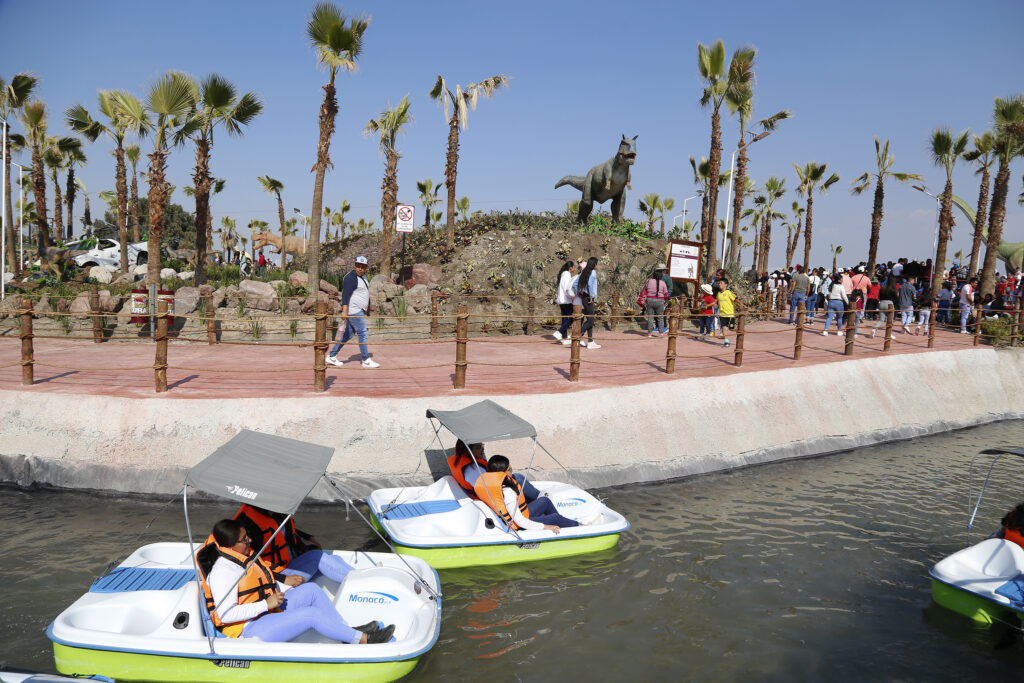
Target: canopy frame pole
{"x": 195, "y": 565}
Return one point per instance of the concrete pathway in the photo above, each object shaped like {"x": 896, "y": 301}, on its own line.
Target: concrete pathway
{"x": 497, "y": 364}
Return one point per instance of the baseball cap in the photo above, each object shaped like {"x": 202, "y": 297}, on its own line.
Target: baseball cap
{"x": 361, "y": 259}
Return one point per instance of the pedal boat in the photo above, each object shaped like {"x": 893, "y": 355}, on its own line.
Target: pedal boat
{"x": 147, "y": 619}
{"x": 983, "y": 582}
{"x": 448, "y": 527}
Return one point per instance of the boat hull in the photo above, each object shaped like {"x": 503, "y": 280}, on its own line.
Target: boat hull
{"x": 509, "y": 553}
{"x": 974, "y": 607}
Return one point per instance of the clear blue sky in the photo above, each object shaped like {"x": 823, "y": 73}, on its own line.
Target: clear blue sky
{"x": 583, "y": 74}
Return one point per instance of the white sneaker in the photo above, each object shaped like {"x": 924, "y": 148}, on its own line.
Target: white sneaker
{"x": 567, "y": 342}
{"x": 824, "y": 333}
{"x": 370, "y": 363}
{"x": 333, "y": 360}
{"x": 558, "y": 335}
{"x": 593, "y": 345}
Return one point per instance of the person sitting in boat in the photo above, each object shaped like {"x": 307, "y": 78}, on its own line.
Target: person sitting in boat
{"x": 502, "y": 492}
{"x": 1013, "y": 525}
{"x": 468, "y": 463}
{"x": 245, "y": 601}
{"x": 293, "y": 555}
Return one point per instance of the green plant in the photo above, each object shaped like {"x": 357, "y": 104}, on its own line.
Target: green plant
{"x": 293, "y": 327}
{"x": 241, "y": 306}
{"x": 997, "y": 331}
{"x": 401, "y": 306}
{"x": 256, "y": 327}
{"x": 65, "y": 323}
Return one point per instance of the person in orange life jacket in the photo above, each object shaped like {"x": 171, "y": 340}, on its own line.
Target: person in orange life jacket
{"x": 294, "y": 556}
{"x": 542, "y": 512}
{"x": 268, "y": 614}
{"x": 1013, "y": 525}
{"x": 471, "y": 463}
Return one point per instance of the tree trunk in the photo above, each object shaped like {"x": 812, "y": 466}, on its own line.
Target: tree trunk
{"x": 284, "y": 230}
{"x": 792, "y": 246}
{"x": 876, "y": 225}
{"x": 202, "y": 181}
{"x": 945, "y": 229}
{"x": 58, "y": 209}
{"x": 121, "y": 187}
{"x": 808, "y": 220}
{"x": 426, "y": 221}
{"x": 39, "y": 195}
{"x": 766, "y": 252}
{"x": 12, "y": 246}
{"x": 157, "y": 197}
{"x": 450, "y": 173}
{"x": 756, "y": 265}
{"x": 328, "y": 112}
{"x": 737, "y": 202}
{"x": 69, "y": 199}
{"x": 995, "y": 228}
{"x": 135, "y": 206}
{"x": 704, "y": 222}
{"x": 979, "y": 221}
{"x": 388, "y": 204}
{"x": 714, "y": 171}
{"x": 87, "y": 216}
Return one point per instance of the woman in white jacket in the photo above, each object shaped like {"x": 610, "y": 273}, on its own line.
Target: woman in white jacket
{"x": 564, "y": 297}
{"x": 837, "y": 302}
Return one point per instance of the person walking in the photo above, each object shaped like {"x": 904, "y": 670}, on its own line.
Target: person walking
{"x": 798, "y": 288}
{"x": 886, "y": 302}
{"x": 924, "y": 310}
{"x": 814, "y": 282}
{"x": 563, "y": 297}
{"x": 586, "y": 292}
{"x": 707, "y": 313}
{"x": 906, "y": 294}
{"x": 726, "y": 309}
{"x": 837, "y": 302}
{"x": 355, "y": 304}
{"x": 945, "y": 303}
{"x": 967, "y": 303}
{"x": 657, "y": 295}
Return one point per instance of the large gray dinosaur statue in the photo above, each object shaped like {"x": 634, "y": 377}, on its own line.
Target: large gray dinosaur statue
{"x": 605, "y": 181}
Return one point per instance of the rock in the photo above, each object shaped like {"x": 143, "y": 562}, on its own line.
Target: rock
{"x": 102, "y": 274}
{"x": 126, "y": 278}
{"x": 43, "y": 305}
{"x": 334, "y": 306}
{"x": 10, "y": 306}
{"x": 205, "y": 289}
{"x": 231, "y": 296}
{"x": 422, "y": 274}
{"x": 293, "y": 306}
{"x": 378, "y": 281}
{"x": 80, "y": 306}
{"x": 278, "y": 285}
{"x": 298, "y": 279}
{"x": 309, "y": 303}
{"x": 185, "y": 275}
{"x": 108, "y": 303}
{"x": 330, "y": 289}
{"x": 417, "y": 298}
{"x": 387, "y": 308}
{"x": 185, "y": 300}
{"x": 8, "y": 277}
{"x": 258, "y": 295}
{"x": 139, "y": 271}
{"x": 219, "y": 295}
{"x": 167, "y": 273}
{"x": 390, "y": 291}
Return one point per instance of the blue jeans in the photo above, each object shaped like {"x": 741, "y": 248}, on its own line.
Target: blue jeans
{"x": 530, "y": 492}
{"x": 942, "y": 314}
{"x": 356, "y": 325}
{"x": 566, "y": 311}
{"x": 794, "y": 304}
{"x": 906, "y": 317}
{"x": 544, "y": 511}
{"x": 313, "y": 562}
{"x": 835, "y": 310}
{"x": 305, "y": 607}
{"x": 965, "y": 313}
{"x": 707, "y": 325}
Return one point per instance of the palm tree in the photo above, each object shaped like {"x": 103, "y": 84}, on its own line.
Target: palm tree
{"x": 72, "y": 157}
{"x": 883, "y": 164}
{"x": 338, "y": 43}
{"x": 33, "y": 117}
{"x": 945, "y": 150}
{"x": 133, "y": 152}
{"x": 739, "y": 99}
{"x": 428, "y": 198}
{"x": 667, "y": 204}
{"x": 436, "y": 216}
{"x": 275, "y": 187}
{"x": 810, "y": 177}
{"x": 756, "y": 214}
{"x": 1009, "y": 144}
{"x": 463, "y": 207}
{"x": 387, "y": 126}
{"x": 792, "y": 234}
{"x": 983, "y": 153}
{"x": 13, "y": 97}
{"x": 228, "y": 237}
{"x": 774, "y": 189}
{"x": 798, "y": 213}
{"x": 702, "y": 178}
{"x": 124, "y": 114}
{"x": 461, "y": 101}
{"x": 836, "y": 251}
{"x": 86, "y": 214}
{"x": 55, "y": 156}
{"x": 339, "y": 218}
{"x": 649, "y": 206}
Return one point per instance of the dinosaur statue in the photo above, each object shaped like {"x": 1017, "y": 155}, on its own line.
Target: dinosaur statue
{"x": 53, "y": 259}
{"x": 295, "y": 244}
{"x": 605, "y": 181}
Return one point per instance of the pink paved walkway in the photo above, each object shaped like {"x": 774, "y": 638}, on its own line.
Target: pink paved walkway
{"x": 497, "y": 365}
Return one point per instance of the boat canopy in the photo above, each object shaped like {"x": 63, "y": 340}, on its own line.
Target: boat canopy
{"x": 483, "y": 422}
{"x": 269, "y": 471}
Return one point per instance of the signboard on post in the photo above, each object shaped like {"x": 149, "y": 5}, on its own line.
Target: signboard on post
{"x": 684, "y": 260}
{"x": 404, "y": 217}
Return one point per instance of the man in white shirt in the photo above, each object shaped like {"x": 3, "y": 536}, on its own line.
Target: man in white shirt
{"x": 967, "y": 303}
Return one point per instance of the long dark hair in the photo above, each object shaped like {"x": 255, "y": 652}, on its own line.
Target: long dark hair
{"x": 585, "y": 275}
{"x": 568, "y": 265}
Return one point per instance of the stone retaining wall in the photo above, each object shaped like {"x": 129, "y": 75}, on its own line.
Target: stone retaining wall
{"x": 603, "y": 437}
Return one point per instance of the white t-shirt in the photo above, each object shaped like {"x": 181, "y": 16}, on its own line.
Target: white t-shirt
{"x": 967, "y": 296}
{"x": 564, "y": 295}
{"x": 223, "y": 580}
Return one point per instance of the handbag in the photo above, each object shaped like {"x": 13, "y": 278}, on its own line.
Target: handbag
{"x": 641, "y": 301}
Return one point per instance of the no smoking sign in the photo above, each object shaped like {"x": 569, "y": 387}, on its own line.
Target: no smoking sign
{"x": 404, "y": 215}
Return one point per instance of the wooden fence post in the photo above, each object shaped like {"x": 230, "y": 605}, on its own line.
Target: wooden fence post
{"x": 684, "y": 314}
{"x": 160, "y": 366}
{"x": 741, "y": 320}
{"x": 615, "y": 311}
{"x": 673, "y": 327}
{"x": 977, "y": 324}
{"x": 320, "y": 346}
{"x": 461, "y": 331}
{"x": 931, "y": 324}
{"x": 889, "y": 313}
{"x": 210, "y": 314}
{"x": 574, "y": 349}
{"x": 851, "y": 317}
{"x": 798, "y": 341}
{"x": 27, "y": 353}
{"x": 433, "y": 313}
{"x": 94, "y": 313}
{"x": 1019, "y": 320}
{"x": 530, "y": 309}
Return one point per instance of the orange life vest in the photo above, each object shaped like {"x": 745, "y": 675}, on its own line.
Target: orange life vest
{"x": 1013, "y": 535}
{"x": 285, "y": 543}
{"x": 457, "y": 462}
{"x": 489, "y": 490}
{"x": 256, "y": 584}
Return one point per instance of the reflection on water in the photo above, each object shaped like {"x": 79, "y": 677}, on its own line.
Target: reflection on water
{"x": 799, "y": 570}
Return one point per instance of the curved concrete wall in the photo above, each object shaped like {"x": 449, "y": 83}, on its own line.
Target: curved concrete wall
{"x": 603, "y": 437}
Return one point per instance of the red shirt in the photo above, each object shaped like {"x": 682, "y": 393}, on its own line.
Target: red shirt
{"x": 709, "y": 302}
{"x": 874, "y": 290}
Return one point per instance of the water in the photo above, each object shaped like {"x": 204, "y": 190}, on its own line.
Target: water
{"x": 793, "y": 571}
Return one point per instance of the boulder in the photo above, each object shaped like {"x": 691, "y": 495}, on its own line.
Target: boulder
{"x": 185, "y": 300}
{"x": 185, "y": 275}
{"x": 422, "y": 274}
{"x": 43, "y": 305}
{"x": 329, "y": 289}
{"x": 80, "y": 306}
{"x": 417, "y": 299}
{"x": 258, "y": 295}
{"x": 101, "y": 274}
{"x": 390, "y": 291}
{"x": 298, "y": 279}
{"x": 309, "y": 303}
{"x": 378, "y": 281}
{"x": 109, "y": 303}
{"x": 278, "y": 285}
{"x": 10, "y": 306}
{"x": 334, "y": 307}
{"x": 126, "y": 278}
{"x": 205, "y": 289}
{"x": 231, "y": 296}
{"x": 219, "y": 296}
{"x": 293, "y": 306}
{"x": 8, "y": 277}
{"x": 167, "y": 273}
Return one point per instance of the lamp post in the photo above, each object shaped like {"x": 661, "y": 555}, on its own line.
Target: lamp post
{"x": 304, "y": 226}
{"x": 728, "y": 202}
{"x": 683, "y": 214}
{"x": 3, "y": 209}
{"x": 935, "y": 241}
{"x": 21, "y": 217}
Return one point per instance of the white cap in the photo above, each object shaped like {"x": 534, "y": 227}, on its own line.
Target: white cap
{"x": 361, "y": 259}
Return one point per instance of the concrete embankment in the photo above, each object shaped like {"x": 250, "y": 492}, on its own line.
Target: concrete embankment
{"x": 604, "y": 437}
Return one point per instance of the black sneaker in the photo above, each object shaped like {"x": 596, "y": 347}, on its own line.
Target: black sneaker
{"x": 370, "y": 627}
{"x": 380, "y": 636}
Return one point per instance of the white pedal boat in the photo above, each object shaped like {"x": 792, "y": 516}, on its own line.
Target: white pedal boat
{"x": 444, "y": 525}
{"x": 147, "y": 620}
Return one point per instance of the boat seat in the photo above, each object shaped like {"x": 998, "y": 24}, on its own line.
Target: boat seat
{"x": 427, "y": 507}
{"x": 127, "y": 579}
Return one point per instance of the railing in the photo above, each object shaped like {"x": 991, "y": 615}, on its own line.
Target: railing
{"x": 677, "y": 315}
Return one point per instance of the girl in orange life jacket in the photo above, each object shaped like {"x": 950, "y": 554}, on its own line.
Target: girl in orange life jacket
{"x": 498, "y": 487}
{"x": 1013, "y": 525}
{"x": 467, "y": 463}
{"x": 253, "y": 606}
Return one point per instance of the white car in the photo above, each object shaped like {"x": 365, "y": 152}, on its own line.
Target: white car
{"x": 107, "y": 252}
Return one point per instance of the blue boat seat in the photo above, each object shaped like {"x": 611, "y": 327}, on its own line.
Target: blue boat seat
{"x": 127, "y": 579}
{"x": 427, "y": 507}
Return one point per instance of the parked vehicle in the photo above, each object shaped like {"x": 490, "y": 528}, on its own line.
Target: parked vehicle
{"x": 107, "y": 252}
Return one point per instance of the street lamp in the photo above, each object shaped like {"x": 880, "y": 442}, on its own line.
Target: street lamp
{"x": 21, "y": 217}
{"x": 683, "y": 214}
{"x": 728, "y": 202}
{"x": 304, "y": 226}
{"x": 935, "y": 242}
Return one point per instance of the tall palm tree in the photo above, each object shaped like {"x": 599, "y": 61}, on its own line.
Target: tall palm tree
{"x": 883, "y": 166}
{"x": 124, "y": 115}
{"x": 649, "y": 206}
{"x": 702, "y": 178}
{"x": 387, "y": 126}
{"x": 339, "y": 218}
{"x": 774, "y": 189}
{"x": 55, "y": 156}
{"x": 812, "y": 176}
{"x": 739, "y": 98}
{"x": 275, "y": 187}
{"x": 33, "y": 118}
{"x": 338, "y": 43}
{"x": 798, "y": 213}
{"x": 836, "y": 251}
{"x": 667, "y": 204}
{"x": 86, "y": 214}
{"x": 1009, "y": 144}
{"x": 133, "y": 152}
{"x": 945, "y": 150}
{"x": 756, "y": 216}
{"x": 13, "y": 97}
{"x": 228, "y": 237}
{"x": 72, "y": 157}
{"x": 428, "y": 198}
{"x": 461, "y": 101}
{"x": 984, "y": 154}
{"x": 463, "y": 207}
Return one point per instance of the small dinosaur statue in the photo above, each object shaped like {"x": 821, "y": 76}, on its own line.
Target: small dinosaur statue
{"x": 295, "y": 244}
{"x": 605, "y": 181}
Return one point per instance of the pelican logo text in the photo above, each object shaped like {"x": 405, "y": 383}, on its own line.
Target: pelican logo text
{"x": 372, "y": 597}
{"x": 570, "y": 502}
{"x": 243, "y": 492}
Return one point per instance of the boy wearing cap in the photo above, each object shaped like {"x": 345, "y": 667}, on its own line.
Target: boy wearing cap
{"x": 355, "y": 302}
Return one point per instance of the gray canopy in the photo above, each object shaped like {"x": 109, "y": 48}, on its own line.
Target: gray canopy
{"x": 482, "y": 422}
{"x": 269, "y": 471}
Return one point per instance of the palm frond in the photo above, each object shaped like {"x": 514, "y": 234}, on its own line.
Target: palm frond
{"x": 13, "y": 95}
{"x": 862, "y": 183}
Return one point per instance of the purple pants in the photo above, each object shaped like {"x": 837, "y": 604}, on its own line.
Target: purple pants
{"x": 305, "y": 607}
{"x": 543, "y": 510}
{"x": 313, "y": 562}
